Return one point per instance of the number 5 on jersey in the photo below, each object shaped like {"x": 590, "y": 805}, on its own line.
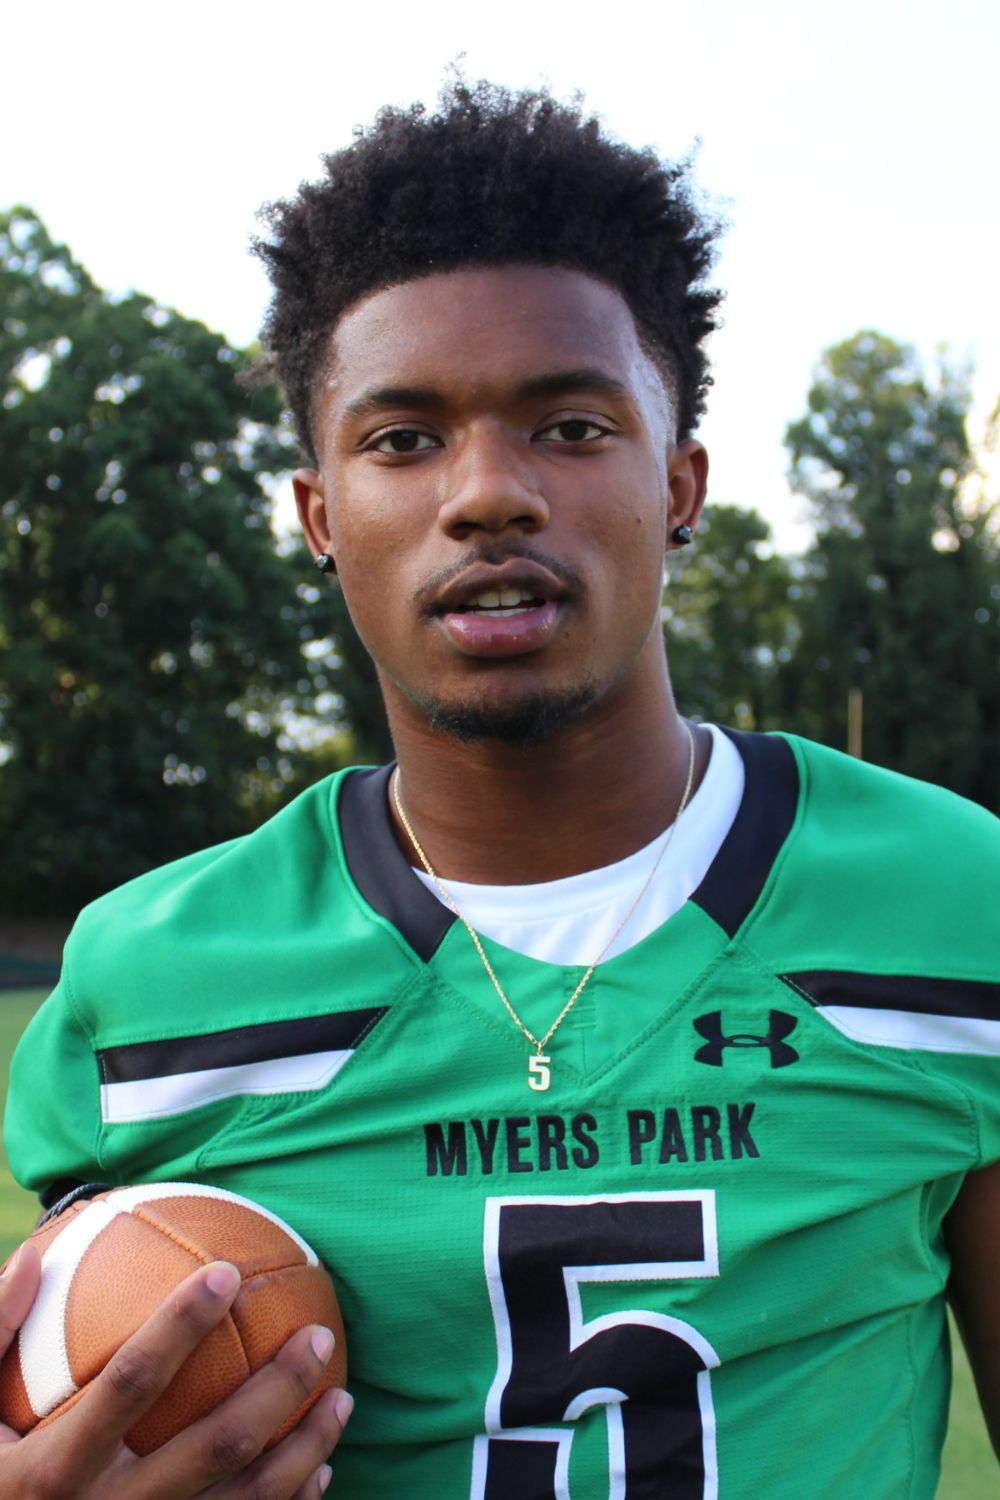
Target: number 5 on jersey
{"x": 649, "y": 1371}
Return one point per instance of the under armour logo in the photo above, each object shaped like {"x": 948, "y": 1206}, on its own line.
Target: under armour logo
{"x": 780, "y": 1024}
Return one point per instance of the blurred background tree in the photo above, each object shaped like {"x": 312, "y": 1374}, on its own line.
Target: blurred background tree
{"x": 900, "y": 592}
{"x": 729, "y": 620}
{"x": 151, "y": 635}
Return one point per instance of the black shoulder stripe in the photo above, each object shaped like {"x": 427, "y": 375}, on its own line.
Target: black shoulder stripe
{"x": 340, "y": 1032}
{"x": 737, "y": 875}
{"x": 970, "y": 998}
{"x": 378, "y": 867}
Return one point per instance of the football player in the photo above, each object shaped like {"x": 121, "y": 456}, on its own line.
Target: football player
{"x": 636, "y": 1079}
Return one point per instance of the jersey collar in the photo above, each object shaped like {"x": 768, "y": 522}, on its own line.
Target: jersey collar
{"x": 728, "y": 893}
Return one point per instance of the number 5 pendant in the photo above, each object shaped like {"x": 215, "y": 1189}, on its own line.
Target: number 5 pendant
{"x": 538, "y": 1072}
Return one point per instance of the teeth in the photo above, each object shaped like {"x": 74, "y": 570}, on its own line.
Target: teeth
{"x": 500, "y": 599}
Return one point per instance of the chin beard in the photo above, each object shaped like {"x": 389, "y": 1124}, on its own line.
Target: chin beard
{"x": 525, "y": 724}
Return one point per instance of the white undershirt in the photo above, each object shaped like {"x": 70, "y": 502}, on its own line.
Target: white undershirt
{"x": 569, "y": 921}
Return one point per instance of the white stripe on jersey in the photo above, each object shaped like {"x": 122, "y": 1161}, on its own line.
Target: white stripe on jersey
{"x": 915, "y": 1030}
{"x": 176, "y": 1093}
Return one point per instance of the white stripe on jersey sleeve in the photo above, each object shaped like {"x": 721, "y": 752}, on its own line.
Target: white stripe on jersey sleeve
{"x": 914, "y": 1030}
{"x": 176, "y": 1093}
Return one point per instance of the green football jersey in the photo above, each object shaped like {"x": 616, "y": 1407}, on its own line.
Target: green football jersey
{"x": 706, "y": 1261}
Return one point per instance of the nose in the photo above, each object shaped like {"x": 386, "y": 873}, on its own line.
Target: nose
{"x": 492, "y": 485}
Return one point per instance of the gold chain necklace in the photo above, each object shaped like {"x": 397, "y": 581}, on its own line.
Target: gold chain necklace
{"x": 539, "y": 1066}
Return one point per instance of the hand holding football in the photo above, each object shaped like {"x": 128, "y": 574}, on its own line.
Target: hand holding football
{"x": 107, "y": 1263}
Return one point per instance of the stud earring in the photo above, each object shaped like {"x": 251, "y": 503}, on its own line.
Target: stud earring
{"x": 682, "y": 535}
{"x": 325, "y": 563}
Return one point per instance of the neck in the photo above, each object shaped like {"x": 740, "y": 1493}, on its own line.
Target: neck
{"x": 591, "y": 794}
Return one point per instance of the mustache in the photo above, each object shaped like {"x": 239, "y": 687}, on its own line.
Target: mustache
{"x": 495, "y": 557}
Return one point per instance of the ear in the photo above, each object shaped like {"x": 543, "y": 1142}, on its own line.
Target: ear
{"x": 687, "y": 475}
{"x": 310, "y": 501}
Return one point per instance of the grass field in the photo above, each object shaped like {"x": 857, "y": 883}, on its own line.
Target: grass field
{"x": 969, "y": 1472}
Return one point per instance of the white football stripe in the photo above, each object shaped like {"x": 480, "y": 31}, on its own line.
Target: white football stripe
{"x": 152, "y": 1098}
{"x": 42, "y": 1344}
{"x": 129, "y": 1198}
{"x": 912, "y": 1029}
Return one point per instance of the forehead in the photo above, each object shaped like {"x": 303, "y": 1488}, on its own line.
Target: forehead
{"x": 485, "y": 328}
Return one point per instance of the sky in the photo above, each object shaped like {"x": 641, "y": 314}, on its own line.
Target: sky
{"x": 854, "y": 150}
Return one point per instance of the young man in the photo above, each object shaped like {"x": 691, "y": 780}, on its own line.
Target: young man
{"x": 634, "y": 1079}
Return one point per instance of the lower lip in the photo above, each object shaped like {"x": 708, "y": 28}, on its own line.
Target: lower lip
{"x": 497, "y": 635}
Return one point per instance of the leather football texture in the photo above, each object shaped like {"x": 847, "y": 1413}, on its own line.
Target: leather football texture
{"x": 107, "y": 1263}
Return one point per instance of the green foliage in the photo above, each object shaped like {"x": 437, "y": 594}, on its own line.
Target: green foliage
{"x": 150, "y": 634}
{"x": 900, "y": 594}
{"x": 729, "y": 620}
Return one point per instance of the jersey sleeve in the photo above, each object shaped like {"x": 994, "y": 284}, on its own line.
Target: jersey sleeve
{"x": 53, "y": 1117}
{"x": 885, "y": 918}
{"x": 947, "y": 1028}
{"x": 975, "y": 1069}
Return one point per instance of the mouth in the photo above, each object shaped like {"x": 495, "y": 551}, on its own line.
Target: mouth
{"x": 501, "y": 611}
{"x": 516, "y": 584}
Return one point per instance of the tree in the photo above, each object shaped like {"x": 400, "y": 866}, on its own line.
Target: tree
{"x": 900, "y": 592}
{"x": 729, "y": 620}
{"x": 150, "y": 634}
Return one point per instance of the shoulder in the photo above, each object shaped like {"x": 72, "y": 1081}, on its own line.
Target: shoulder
{"x": 295, "y": 837}
{"x": 843, "y": 795}
{"x": 214, "y": 908}
{"x": 880, "y": 871}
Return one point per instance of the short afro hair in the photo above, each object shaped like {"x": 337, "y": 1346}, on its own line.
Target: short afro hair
{"x": 491, "y": 178}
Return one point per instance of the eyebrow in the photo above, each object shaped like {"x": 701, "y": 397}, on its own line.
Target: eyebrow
{"x": 381, "y": 397}
{"x": 426, "y": 398}
{"x": 565, "y": 382}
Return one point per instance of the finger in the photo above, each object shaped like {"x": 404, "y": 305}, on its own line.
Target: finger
{"x": 18, "y": 1286}
{"x": 316, "y": 1485}
{"x": 296, "y": 1466}
{"x": 90, "y": 1433}
{"x": 231, "y": 1437}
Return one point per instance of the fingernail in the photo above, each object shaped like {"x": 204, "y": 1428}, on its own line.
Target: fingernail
{"x": 223, "y": 1279}
{"x": 343, "y": 1406}
{"x": 322, "y": 1342}
{"x": 324, "y": 1476}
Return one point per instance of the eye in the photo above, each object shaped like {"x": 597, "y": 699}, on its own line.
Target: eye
{"x": 403, "y": 440}
{"x": 572, "y": 430}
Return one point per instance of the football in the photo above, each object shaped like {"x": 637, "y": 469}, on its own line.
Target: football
{"x": 109, "y": 1260}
